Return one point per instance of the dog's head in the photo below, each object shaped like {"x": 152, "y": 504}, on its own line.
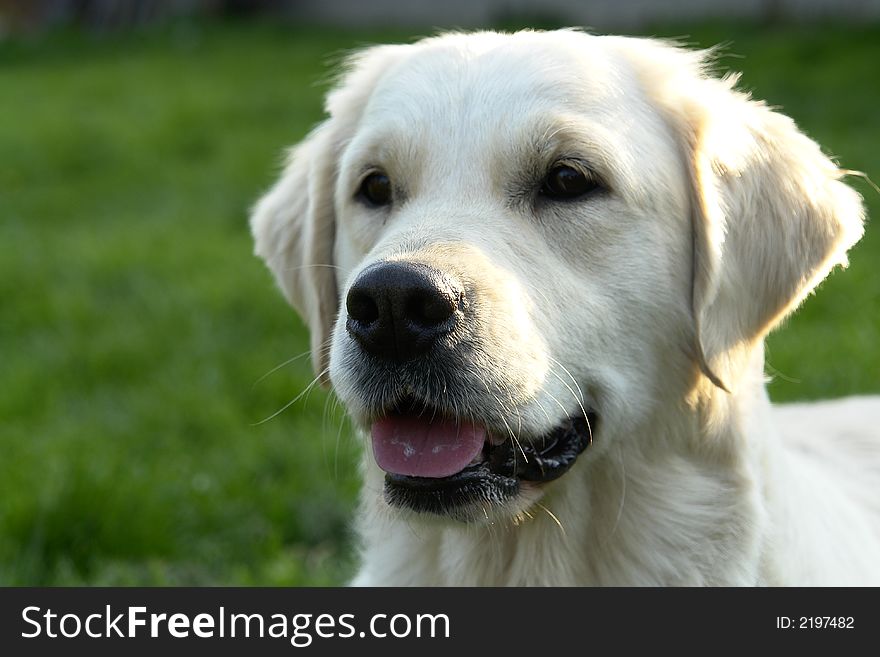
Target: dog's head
{"x": 513, "y": 250}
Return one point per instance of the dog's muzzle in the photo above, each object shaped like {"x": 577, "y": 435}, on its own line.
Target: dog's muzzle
{"x": 408, "y": 320}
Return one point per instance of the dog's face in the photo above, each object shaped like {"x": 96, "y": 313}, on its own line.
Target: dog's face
{"x": 499, "y": 240}
{"x": 514, "y": 250}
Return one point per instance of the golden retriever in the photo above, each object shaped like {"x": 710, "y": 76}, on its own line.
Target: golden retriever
{"x": 538, "y": 269}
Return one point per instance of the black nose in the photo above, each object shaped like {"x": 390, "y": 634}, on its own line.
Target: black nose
{"x": 398, "y": 310}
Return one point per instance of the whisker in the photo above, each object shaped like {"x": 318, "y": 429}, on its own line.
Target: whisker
{"x": 583, "y": 410}
{"x": 292, "y": 401}
{"x": 317, "y": 264}
{"x": 622, "y": 492}
{"x": 336, "y": 453}
{"x": 510, "y": 431}
{"x": 503, "y": 411}
{"x": 550, "y": 304}
{"x": 573, "y": 380}
{"x": 560, "y": 405}
{"x": 284, "y": 364}
{"x": 544, "y": 411}
{"x": 555, "y": 519}
{"x": 330, "y": 409}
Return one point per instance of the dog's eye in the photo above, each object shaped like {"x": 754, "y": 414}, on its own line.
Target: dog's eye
{"x": 566, "y": 182}
{"x": 375, "y": 189}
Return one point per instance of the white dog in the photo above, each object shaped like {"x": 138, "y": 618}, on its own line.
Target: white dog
{"x": 538, "y": 269}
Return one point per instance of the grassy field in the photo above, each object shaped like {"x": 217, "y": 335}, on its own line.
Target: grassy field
{"x": 136, "y": 326}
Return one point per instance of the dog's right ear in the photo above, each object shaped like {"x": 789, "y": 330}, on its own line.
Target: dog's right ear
{"x": 294, "y": 226}
{"x": 294, "y": 223}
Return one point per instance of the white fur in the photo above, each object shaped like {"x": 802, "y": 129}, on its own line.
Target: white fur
{"x": 649, "y": 302}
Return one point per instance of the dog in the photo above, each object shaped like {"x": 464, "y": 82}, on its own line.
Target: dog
{"x": 538, "y": 269}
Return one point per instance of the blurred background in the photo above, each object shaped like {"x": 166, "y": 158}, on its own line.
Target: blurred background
{"x": 145, "y": 354}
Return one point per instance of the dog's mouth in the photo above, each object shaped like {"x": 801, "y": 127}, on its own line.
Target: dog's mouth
{"x": 448, "y": 466}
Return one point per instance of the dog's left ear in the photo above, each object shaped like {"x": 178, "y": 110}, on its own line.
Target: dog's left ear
{"x": 770, "y": 215}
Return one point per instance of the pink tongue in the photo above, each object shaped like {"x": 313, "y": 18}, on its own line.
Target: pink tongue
{"x": 417, "y": 447}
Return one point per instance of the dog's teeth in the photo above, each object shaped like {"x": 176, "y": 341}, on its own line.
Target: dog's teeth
{"x": 495, "y": 440}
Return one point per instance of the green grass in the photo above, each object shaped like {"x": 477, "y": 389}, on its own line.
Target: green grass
{"x": 135, "y": 323}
